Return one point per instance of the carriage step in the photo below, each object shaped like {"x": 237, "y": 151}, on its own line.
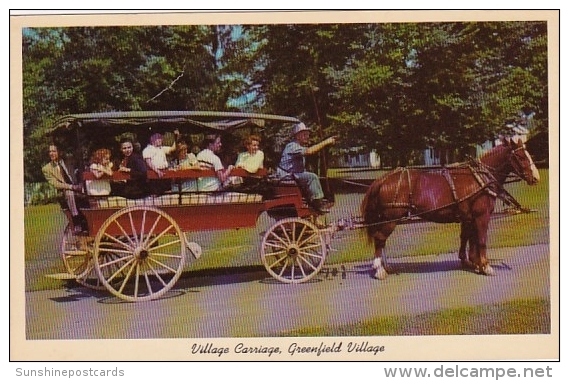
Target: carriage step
{"x": 195, "y": 249}
{"x": 61, "y": 276}
{"x": 75, "y": 252}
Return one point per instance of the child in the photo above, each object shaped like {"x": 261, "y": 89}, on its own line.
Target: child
{"x": 100, "y": 165}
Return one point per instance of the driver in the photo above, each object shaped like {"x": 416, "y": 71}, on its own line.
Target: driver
{"x": 292, "y": 164}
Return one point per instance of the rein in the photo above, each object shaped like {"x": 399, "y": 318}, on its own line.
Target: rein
{"x": 356, "y": 183}
{"x": 515, "y": 167}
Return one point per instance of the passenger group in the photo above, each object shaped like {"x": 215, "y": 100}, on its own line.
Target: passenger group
{"x": 155, "y": 156}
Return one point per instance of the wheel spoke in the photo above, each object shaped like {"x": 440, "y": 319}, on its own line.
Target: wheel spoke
{"x": 76, "y": 270}
{"x": 278, "y": 261}
{"x": 118, "y": 241}
{"x": 148, "y": 284}
{"x": 110, "y": 250}
{"x": 301, "y": 267}
{"x": 306, "y": 253}
{"x": 157, "y": 275}
{"x": 142, "y": 226}
{"x": 166, "y": 255}
{"x": 300, "y": 257}
{"x": 163, "y": 245}
{"x": 120, "y": 270}
{"x": 280, "y": 252}
{"x": 149, "y": 234}
{"x": 132, "y": 244}
{"x": 275, "y": 245}
{"x": 127, "y": 276}
{"x": 113, "y": 261}
{"x": 291, "y": 268}
{"x": 285, "y": 234}
{"x": 279, "y": 238}
{"x": 135, "y": 293}
{"x": 133, "y": 229}
{"x": 316, "y": 245}
{"x": 304, "y": 227}
{"x": 116, "y": 261}
{"x": 94, "y": 281}
{"x": 284, "y": 266}
{"x": 161, "y": 264}
{"x": 311, "y": 236}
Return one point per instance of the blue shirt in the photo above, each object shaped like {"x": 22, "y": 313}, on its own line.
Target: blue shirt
{"x": 292, "y": 159}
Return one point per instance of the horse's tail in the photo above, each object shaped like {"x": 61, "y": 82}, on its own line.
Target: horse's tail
{"x": 371, "y": 208}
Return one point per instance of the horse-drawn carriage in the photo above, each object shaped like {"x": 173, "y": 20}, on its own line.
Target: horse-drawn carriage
{"x": 137, "y": 248}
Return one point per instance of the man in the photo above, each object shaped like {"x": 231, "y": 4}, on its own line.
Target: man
{"x": 155, "y": 153}
{"x": 155, "y": 157}
{"x": 209, "y": 159}
{"x": 133, "y": 164}
{"x": 292, "y": 164}
{"x": 57, "y": 174}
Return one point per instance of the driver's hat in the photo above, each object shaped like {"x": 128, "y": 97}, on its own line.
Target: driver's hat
{"x": 299, "y": 128}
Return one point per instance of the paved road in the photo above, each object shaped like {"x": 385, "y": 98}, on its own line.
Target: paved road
{"x": 252, "y": 305}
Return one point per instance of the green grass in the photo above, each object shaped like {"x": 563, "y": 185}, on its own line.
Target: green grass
{"x": 43, "y": 228}
{"x": 514, "y": 317}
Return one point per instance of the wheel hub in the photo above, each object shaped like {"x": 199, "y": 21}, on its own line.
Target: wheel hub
{"x": 141, "y": 254}
{"x": 292, "y": 251}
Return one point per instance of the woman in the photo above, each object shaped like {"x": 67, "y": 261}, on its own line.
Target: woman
{"x": 133, "y": 164}
{"x": 251, "y": 160}
{"x": 184, "y": 160}
{"x": 100, "y": 166}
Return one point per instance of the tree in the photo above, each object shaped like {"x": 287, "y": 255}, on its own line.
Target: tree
{"x": 397, "y": 88}
{"x": 93, "y": 69}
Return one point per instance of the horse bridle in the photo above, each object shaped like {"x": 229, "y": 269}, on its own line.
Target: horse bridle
{"x": 517, "y": 166}
{"x": 514, "y": 162}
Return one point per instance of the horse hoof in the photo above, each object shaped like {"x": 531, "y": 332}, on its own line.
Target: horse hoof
{"x": 380, "y": 274}
{"x": 376, "y": 264}
{"x": 488, "y": 270}
{"x": 466, "y": 264}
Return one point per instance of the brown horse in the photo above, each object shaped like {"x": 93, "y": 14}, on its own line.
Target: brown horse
{"x": 463, "y": 192}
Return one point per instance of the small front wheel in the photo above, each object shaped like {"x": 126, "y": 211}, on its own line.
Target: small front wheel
{"x": 293, "y": 250}
{"x": 77, "y": 255}
{"x": 141, "y": 253}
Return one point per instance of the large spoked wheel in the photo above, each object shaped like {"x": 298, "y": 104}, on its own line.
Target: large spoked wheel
{"x": 77, "y": 255}
{"x": 293, "y": 250}
{"x": 141, "y": 252}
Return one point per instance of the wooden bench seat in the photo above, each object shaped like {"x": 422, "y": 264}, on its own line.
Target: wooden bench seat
{"x": 175, "y": 199}
{"x": 182, "y": 174}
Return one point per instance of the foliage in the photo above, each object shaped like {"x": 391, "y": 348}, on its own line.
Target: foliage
{"x": 393, "y": 87}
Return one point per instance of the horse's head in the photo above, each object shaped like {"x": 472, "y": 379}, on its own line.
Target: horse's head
{"x": 522, "y": 163}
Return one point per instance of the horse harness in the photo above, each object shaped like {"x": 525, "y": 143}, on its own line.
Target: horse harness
{"x": 486, "y": 182}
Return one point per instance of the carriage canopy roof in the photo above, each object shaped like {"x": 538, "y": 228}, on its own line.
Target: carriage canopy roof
{"x": 204, "y": 121}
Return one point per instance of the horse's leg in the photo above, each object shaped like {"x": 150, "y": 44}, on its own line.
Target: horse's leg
{"x": 482, "y": 222}
{"x": 379, "y": 239}
{"x": 467, "y": 236}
